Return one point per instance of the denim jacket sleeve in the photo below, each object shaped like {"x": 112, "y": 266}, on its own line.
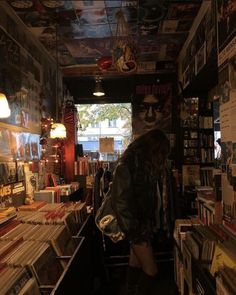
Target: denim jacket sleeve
{"x": 121, "y": 194}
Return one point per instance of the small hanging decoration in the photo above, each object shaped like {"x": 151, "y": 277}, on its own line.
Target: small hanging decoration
{"x": 125, "y": 51}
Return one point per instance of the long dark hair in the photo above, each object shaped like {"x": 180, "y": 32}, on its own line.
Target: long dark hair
{"x": 147, "y": 154}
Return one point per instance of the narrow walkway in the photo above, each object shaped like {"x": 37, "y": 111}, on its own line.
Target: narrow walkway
{"x": 111, "y": 275}
{"x": 117, "y": 280}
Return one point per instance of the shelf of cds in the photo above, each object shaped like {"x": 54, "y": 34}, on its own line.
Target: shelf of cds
{"x": 197, "y": 142}
{"x": 39, "y": 246}
{"x": 204, "y": 258}
{"x": 197, "y": 130}
{"x": 209, "y": 206}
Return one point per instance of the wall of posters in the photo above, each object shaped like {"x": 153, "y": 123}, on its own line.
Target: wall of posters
{"x": 19, "y": 145}
{"x": 27, "y": 76}
{"x": 21, "y": 88}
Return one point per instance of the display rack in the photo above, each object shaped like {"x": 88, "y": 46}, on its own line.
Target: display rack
{"x": 75, "y": 269}
{"x": 197, "y": 142}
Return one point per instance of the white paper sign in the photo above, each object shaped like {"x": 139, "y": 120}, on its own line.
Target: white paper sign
{"x": 106, "y": 145}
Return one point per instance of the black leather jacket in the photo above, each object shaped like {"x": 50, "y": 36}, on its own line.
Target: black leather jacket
{"x": 135, "y": 204}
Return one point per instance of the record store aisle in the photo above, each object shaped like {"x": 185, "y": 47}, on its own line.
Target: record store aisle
{"x": 110, "y": 278}
{"x": 115, "y": 284}
{"x": 166, "y": 284}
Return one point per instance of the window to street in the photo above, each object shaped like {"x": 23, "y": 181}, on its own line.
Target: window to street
{"x": 107, "y": 121}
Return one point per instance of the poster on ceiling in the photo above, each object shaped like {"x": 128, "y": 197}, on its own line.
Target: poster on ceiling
{"x": 152, "y": 108}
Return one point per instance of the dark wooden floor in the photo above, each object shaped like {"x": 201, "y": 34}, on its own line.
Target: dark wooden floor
{"x": 111, "y": 278}
{"x": 117, "y": 279}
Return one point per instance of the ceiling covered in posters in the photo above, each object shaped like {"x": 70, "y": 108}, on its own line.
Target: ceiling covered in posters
{"x": 86, "y": 33}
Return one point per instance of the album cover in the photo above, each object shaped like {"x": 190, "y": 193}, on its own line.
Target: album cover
{"x": 191, "y": 175}
{"x": 202, "y": 280}
{"x": 20, "y": 171}
{"x": 13, "y": 280}
{"x": 223, "y": 256}
{"x": 31, "y": 180}
{"x": 30, "y": 288}
{"x": 47, "y": 267}
{"x": 187, "y": 263}
{"x": 62, "y": 242}
{"x": 7, "y": 172}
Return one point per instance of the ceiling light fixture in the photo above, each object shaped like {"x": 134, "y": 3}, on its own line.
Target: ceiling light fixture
{"x": 58, "y": 129}
{"x": 5, "y": 111}
{"x": 98, "y": 91}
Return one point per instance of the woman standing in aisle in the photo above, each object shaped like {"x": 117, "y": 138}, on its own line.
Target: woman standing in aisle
{"x": 136, "y": 199}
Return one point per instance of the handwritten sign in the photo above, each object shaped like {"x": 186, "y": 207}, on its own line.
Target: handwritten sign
{"x": 106, "y": 145}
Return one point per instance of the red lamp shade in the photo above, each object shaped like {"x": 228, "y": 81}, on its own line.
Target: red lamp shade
{"x": 104, "y": 63}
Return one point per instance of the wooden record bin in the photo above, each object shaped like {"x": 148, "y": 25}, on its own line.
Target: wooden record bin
{"x": 33, "y": 252}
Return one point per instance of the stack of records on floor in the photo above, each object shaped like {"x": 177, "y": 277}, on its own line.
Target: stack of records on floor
{"x": 17, "y": 281}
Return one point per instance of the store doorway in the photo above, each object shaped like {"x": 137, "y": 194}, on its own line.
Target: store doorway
{"x": 104, "y": 130}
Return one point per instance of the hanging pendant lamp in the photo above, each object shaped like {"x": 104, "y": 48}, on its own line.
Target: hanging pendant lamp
{"x": 98, "y": 90}
{"x": 5, "y": 111}
{"x": 58, "y": 129}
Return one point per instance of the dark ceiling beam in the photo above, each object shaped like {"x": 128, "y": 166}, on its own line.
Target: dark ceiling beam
{"x": 116, "y": 89}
